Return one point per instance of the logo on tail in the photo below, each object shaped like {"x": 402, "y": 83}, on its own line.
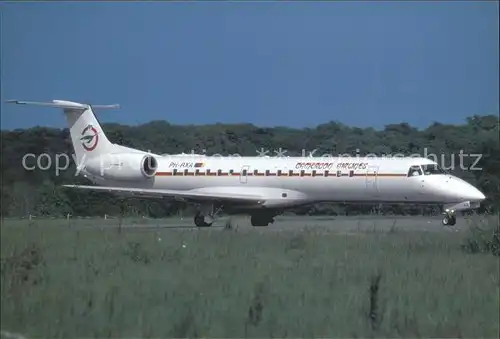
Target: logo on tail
{"x": 89, "y": 138}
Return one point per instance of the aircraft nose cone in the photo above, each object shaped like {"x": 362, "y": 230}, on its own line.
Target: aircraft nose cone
{"x": 478, "y": 195}
{"x": 464, "y": 191}
{"x": 472, "y": 193}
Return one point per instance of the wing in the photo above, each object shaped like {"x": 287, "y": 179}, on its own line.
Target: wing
{"x": 193, "y": 195}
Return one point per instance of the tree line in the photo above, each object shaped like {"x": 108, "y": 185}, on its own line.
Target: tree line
{"x": 469, "y": 150}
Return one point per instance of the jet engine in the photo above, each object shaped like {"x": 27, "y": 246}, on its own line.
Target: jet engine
{"x": 149, "y": 166}
{"x": 123, "y": 167}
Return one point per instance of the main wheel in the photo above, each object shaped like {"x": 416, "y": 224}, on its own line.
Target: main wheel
{"x": 257, "y": 220}
{"x": 199, "y": 220}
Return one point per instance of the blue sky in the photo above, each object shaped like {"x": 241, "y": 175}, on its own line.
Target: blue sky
{"x": 269, "y": 63}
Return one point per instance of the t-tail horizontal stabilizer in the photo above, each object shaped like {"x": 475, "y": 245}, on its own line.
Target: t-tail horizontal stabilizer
{"x": 62, "y": 104}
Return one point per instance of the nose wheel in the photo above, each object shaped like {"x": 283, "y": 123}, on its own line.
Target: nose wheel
{"x": 449, "y": 218}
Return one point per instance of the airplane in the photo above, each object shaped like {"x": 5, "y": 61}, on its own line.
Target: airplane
{"x": 262, "y": 187}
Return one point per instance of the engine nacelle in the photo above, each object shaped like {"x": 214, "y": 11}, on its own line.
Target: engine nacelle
{"x": 123, "y": 166}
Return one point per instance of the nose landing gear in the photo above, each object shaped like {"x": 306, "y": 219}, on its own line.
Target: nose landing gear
{"x": 449, "y": 218}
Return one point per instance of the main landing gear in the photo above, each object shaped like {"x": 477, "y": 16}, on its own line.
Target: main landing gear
{"x": 450, "y": 218}
{"x": 206, "y": 218}
{"x": 207, "y": 214}
{"x": 261, "y": 219}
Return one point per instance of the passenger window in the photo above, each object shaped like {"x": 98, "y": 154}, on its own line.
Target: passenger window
{"x": 414, "y": 171}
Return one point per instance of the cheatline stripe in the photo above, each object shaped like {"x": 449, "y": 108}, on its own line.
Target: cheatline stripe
{"x": 253, "y": 174}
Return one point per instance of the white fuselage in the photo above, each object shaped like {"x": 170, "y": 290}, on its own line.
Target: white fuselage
{"x": 299, "y": 180}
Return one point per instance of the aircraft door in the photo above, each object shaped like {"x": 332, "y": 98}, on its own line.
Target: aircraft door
{"x": 417, "y": 174}
{"x": 281, "y": 170}
{"x": 372, "y": 180}
{"x": 244, "y": 174}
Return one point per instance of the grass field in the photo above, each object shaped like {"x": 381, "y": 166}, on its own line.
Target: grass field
{"x": 65, "y": 279}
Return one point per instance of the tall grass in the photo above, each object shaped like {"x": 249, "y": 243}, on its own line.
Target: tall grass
{"x": 59, "y": 281}
{"x": 483, "y": 237}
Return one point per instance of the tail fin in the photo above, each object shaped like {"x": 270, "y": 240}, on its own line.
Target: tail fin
{"x": 87, "y": 136}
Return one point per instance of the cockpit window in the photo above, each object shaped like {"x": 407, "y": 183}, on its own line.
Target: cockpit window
{"x": 431, "y": 169}
{"x": 414, "y": 171}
